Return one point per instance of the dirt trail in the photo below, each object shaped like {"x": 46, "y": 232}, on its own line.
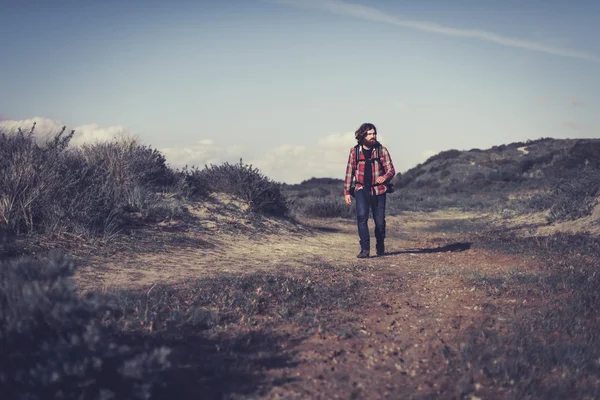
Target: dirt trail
{"x": 408, "y": 332}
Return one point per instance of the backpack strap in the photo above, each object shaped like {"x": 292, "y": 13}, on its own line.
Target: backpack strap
{"x": 372, "y": 159}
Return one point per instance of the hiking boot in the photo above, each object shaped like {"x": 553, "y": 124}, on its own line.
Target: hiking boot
{"x": 363, "y": 254}
{"x": 380, "y": 249}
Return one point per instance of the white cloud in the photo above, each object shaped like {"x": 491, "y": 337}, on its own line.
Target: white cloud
{"x": 293, "y": 163}
{"x": 43, "y": 126}
{"x": 373, "y": 14}
{"x": 46, "y": 128}
{"x": 204, "y": 152}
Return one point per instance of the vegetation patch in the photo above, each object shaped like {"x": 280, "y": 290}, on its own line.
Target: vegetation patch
{"x": 53, "y": 344}
{"x": 550, "y": 348}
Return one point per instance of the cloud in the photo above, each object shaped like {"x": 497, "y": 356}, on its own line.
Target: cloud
{"x": 92, "y": 133}
{"x": 46, "y": 128}
{"x": 372, "y": 14}
{"x": 204, "y": 152}
{"x": 294, "y": 163}
{"x": 43, "y": 126}
{"x": 542, "y": 99}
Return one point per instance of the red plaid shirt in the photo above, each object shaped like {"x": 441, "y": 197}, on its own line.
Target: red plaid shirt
{"x": 383, "y": 167}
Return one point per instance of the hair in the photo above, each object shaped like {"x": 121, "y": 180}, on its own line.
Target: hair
{"x": 362, "y": 131}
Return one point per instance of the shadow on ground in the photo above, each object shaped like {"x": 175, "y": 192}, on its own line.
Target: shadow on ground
{"x": 454, "y": 247}
{"x": 325, "y": 229}
{"x": 211, "y": 368}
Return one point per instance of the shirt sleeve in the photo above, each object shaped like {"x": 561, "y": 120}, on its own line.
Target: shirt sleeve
{"x": 349, "y": 173}
{"x": 390, "y": 171}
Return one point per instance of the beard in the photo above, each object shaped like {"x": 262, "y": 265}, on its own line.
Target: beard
{"x": 370, "y": 142}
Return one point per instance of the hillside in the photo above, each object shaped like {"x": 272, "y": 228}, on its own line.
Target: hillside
{"x": 517, "y": 166}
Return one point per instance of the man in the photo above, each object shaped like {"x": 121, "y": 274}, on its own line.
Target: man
{"x": 371, "y": 170}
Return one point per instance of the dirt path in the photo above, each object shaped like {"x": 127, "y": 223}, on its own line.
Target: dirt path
{"x": 421, "y": 309}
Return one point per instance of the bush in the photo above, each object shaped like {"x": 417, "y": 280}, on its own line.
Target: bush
{"x": 53, "y": 345}
{"x": 324, "y": 207}
{"x": 575, "y": 198}
{"x": 444, "y": 155}
{"x": 263, "y": 195}
{"x": 28, "y": 177}
{"x": 48, "y": 186}
{"x": 192, "y": 182}
{"x": 128, "y": 163}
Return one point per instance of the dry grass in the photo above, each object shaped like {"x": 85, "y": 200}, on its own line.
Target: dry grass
{"x": 277, "y": 309}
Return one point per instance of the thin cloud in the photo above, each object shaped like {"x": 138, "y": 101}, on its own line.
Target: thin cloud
{"x": 542, "y": 99}
{"x": 375, "y": 15}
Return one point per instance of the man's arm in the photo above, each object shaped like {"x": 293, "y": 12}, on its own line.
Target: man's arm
{"x": 349, "y": 173}
{"x": 390, "y": 171}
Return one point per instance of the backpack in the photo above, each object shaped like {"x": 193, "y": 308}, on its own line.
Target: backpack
{"x": 390, "y": 185}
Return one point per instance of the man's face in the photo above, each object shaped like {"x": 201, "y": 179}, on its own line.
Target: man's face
{"x": 371, "y": 137}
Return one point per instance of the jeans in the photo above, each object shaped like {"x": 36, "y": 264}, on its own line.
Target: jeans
{"x": 376, "y": 203}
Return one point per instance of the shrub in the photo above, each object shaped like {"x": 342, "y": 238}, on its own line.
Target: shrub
{"x": 324, "y": 207}
{"x": 192, "y": 182}
{"x": 127, "y": 163}
{"x": 28, "y": 176}
{"x": 48, "y": 186}
{"x": 263, "y": 195}
{"x": 444, "y": 155}
{"x": 53, "y": 345}
{"x": 575, "y": 198}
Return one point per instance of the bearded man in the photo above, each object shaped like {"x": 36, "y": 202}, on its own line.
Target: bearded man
{"x": 368, "y": 171}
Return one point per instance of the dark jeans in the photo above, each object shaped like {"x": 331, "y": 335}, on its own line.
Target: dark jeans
{"x": 364, "y": 202}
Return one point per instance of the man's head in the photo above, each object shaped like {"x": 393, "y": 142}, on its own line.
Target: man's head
{"x": 366, "y": 135}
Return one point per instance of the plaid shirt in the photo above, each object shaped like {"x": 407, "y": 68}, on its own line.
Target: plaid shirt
{"x": 383, "y": 168}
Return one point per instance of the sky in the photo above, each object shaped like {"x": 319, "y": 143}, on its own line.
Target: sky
{"x": 283, "y": 84}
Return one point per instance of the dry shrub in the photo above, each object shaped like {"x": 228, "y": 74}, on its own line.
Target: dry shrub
{"x": 323, "y": 207}
{"x": 52, "y": 342}
{"x": 47, "y": 186}
{"x": 263, "y": 195}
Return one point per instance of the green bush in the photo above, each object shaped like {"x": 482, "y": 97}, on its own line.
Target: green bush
{"x": 53, "y": 345}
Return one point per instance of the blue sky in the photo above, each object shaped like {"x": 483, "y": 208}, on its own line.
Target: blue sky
{"x": 283, "y": 84}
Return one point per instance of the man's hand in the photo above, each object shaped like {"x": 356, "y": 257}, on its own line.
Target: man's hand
{"x": 348, "y": 199}
{"x": 380, "y": 180}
